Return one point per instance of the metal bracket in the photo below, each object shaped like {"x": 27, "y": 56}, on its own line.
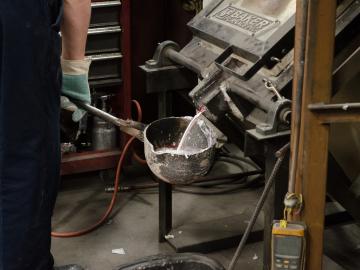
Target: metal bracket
{"x": 160, "y": 58}
{"x": 278, "y": 118}
{"x": 161, "y": 73}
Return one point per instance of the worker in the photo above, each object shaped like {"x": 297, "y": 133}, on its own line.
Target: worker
{"x": 30, "y": 83}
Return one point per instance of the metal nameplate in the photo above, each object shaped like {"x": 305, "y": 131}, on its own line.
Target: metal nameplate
{"x": 243, "y": 19}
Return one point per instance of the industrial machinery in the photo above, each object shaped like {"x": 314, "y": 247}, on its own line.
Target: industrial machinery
{"x": 239, "y": 66}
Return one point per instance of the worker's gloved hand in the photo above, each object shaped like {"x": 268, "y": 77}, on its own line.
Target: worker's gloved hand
{"x": 75, "y": 85}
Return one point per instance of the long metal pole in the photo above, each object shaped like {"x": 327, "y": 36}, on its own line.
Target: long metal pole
{"x": 129, "y": 127}
{"x": 311, "y": 170}
{"x": 183, "y": 60}
{"x": 298, "y": 83}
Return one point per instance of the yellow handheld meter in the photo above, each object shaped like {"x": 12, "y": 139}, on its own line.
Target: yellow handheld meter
{"x": 288, "y": 246}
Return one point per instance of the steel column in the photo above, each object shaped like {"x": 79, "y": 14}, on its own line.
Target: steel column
{"x": 274, "y": 207}
{"x": 165, "y": 189}
{"x": 312, "y": 153}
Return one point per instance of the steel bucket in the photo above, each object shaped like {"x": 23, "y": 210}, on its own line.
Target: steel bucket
{"x": 184, "y": 261}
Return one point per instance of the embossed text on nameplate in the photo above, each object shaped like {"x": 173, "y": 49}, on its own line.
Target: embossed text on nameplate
{"x": 245, "y": 20}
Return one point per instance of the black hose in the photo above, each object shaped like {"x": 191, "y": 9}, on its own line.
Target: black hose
{"x": 202, "y": 187}
{"x": 219, "y": 191}
{"x": 198, "y": 189}
{"x": 232, "y": 161}
{"x": 280, "y": 158}
{"x": 209, "y": 192}
{"x": 217, "y": 183}
{"x": 243, "y": 159}
{"x": 227, "y": 178}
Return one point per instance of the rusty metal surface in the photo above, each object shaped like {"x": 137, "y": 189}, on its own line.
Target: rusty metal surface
{"x": 313, "y": 139}
{"x": 339, "y": 117}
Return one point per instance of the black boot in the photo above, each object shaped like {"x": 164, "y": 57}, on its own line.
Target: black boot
{"x": 69, "y": 267}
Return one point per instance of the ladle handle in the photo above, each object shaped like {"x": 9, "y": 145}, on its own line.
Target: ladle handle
{"x": 130, "y": 127}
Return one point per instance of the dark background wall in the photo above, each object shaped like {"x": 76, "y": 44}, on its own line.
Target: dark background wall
{"x": 154, "y": 21}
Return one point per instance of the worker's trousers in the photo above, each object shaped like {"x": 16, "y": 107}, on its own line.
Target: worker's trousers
{"x": 30, "y": 80}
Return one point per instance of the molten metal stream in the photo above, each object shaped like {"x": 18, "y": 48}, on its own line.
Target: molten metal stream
{"x": 187, "y": 134}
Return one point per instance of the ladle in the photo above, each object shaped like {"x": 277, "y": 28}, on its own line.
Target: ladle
{"x": 161, "y": 139}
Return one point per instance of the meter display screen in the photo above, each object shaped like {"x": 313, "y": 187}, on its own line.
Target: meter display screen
{"x": 288, "y": 246}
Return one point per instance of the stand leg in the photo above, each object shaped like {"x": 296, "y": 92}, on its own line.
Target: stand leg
{"x": 165, "y": 189}
{"x": 165, "y": 210}
{"x": 273, "y": 208}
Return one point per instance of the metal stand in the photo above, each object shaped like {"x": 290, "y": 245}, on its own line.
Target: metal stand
{"x": 165, "y": 189}
{"x": 165, "y": 210}
{"x": 223, "y": 233}
{"x": 273, "y": 208}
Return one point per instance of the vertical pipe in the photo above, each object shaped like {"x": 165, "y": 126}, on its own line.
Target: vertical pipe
{"x": 273, "y": 208}
{"x": 165, "y": 189}
{"x": 299, "y": 60}
{"x": 124, "y": 93}
{"x": 311, "y": 169}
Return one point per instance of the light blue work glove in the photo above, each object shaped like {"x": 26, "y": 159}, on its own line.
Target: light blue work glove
{"x": 75, "y": 85}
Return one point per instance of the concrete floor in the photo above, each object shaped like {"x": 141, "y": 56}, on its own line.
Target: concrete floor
{"x": 134, "y": 224}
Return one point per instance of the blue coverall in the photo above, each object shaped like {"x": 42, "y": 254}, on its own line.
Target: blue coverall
{"x": 30, "y": 82}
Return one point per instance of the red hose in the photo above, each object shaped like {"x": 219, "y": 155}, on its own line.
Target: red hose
{"x": 138, "y": 159}
{"x": 103, "y": 219}
{"x": 135, "y": 156}
{"x": 138, "y": 109}
{"x": 111, "y": 205}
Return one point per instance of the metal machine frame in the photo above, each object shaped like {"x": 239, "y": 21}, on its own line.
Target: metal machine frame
{"x": 234, "y": 76}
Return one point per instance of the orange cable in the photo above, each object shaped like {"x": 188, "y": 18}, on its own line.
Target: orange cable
{"x": 135, "y": 156}
{"x": 103, "y": 219}
{"x": 111, "y": 205}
